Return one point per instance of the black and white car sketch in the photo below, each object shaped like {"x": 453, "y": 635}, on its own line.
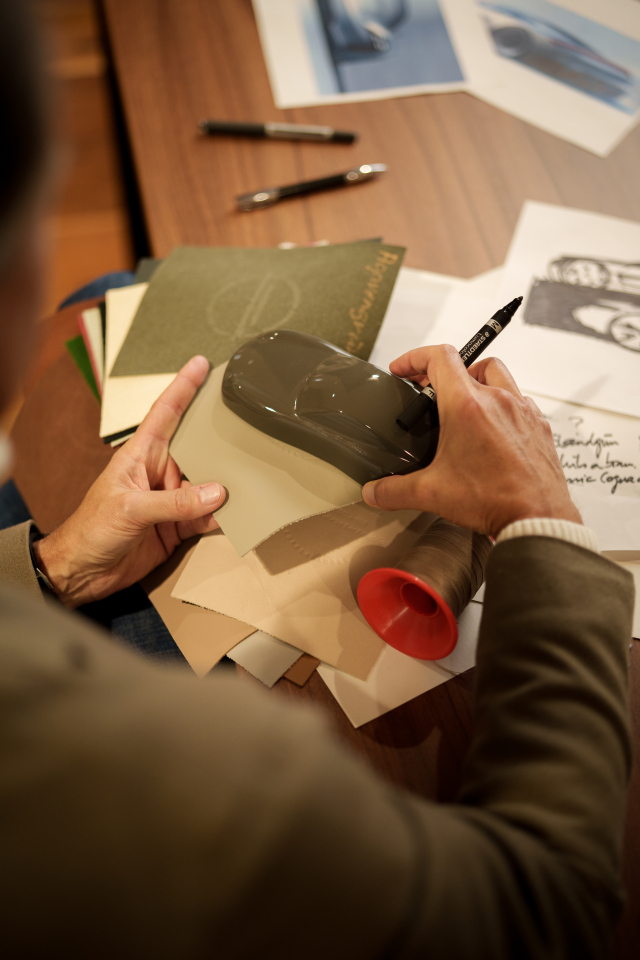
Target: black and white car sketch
{"x": 596, "y": 298}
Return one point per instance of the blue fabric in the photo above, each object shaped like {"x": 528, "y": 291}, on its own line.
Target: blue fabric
{"x": 129, "y": 614}
{"x": 99, "y": 286}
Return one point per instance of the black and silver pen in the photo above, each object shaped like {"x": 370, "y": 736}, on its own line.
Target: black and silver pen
{"x": 277, "y": 131}
{"x": 264, "y": 198}
{"x": 470, "y": 352}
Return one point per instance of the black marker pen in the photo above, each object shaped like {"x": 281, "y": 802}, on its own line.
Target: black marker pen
{"x": 470, "y": 352}
{"x": 277, "y": 131}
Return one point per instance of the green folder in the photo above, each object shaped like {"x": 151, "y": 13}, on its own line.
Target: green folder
{"x": 81, "y": 359}
{"x": 211, "y": 300}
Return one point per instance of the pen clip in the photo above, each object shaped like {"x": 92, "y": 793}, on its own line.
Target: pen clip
{"x": 365, "y": 172}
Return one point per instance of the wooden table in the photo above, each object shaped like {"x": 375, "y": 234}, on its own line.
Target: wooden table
{"x": 459, "y": 172}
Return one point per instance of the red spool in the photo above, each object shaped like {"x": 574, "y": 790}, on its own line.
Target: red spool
{"x": 407, "y": 613}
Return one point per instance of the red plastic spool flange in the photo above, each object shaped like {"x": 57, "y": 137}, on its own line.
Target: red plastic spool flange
{"x": 407, "y": 613}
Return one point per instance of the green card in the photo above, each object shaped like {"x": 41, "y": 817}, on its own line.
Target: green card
{"x": 211, "y": 300}
{"x": 81, "y": 359}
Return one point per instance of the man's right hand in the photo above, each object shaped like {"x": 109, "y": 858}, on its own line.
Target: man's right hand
{"x": 496, "y": 460}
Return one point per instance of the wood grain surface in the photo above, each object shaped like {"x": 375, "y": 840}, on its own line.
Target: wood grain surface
{"x": 459, "y": 171}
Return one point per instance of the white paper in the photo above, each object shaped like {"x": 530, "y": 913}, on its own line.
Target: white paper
{"x": 416, "y": 301}
{"x": 414, "y": 55}
{"x": 264, "y": 656}
{"x": 599, "y": 450}
{"x": 597, "y": 105}
{"x": 580, "y": 275}
{"x": 125, "y": 400}
{"x": 397, "y": 678}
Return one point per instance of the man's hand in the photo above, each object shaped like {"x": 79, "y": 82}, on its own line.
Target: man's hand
{"x": 137, "y": 511}
{"x": 496, "y": 460}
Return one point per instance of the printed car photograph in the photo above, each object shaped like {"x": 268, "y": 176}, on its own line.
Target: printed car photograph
{"x": 538, "y": 40}
{"x": 359, "y": 45}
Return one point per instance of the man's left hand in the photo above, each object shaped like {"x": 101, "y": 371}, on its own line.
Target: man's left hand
{"x": 138, "y": 510}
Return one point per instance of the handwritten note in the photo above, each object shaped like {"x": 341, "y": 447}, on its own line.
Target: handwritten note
{"x": 599, "y": 451}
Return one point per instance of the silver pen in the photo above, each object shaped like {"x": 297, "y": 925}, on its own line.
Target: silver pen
{"x": 264, "y": 198}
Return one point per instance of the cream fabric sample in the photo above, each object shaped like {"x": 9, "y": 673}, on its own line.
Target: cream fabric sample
{"x": 300, "y": 585}
{"x": 203, "y": 637}
{"x": 270, "y": 483}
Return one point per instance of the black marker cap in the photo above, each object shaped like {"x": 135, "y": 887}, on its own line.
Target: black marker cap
{"x": 505, "y": 314}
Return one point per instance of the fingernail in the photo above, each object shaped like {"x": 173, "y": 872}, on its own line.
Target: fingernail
{"x": 210, "y": 494}
{"x": 369, "y": 493}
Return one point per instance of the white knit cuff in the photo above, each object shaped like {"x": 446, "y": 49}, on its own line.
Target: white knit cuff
{"x": 547, "y": 527}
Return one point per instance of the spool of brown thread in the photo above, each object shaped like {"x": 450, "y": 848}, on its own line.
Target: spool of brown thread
{"x": 414, "y": 605}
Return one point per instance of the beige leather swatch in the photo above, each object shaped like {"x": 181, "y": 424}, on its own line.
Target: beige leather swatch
{"x": 203, "y": 637}
{"x": 300, "y": 585}
{"x": 270, "y": 483}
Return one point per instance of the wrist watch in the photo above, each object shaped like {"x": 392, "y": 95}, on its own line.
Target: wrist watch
{"x": 45, "y": 584}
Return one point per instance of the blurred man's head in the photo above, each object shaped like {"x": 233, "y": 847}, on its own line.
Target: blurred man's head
{"x": 23, "y": 163}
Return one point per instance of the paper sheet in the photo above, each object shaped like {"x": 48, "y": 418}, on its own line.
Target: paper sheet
{"x": 270, "y": 483}
{"x": 337, "y": 53}
{"x": 416, "y": 301}
{"x": 125, "y": 400}
{"x": 571, "y": 67}
{"x": 265, "y": 657}
{"x": 300, "y": 585}
{"x": 577, "y": 335}
{"x": 599, "y": 450}
{"x": 204, "y": 637}
{"x": 396, "y": 678}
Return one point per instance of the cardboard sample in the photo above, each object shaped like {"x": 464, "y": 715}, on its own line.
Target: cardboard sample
{"x": 395, "y": 679}
{"x": 270, "y": 483}
{"x": 265, "y": 657}
{"x": 125, "y": 400}
{"x": 205, "y": 300}
{"x": 203, "y": 637}
{"x": 300, "y": 585}
{"x": 302, "y": 669}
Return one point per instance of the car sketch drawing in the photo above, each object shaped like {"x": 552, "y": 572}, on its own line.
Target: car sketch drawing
{"x": 595, "y": 298}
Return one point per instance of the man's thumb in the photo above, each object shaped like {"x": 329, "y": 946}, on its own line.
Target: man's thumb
{"x": 185, "y": 503}
{"x": 394, "y": 493}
